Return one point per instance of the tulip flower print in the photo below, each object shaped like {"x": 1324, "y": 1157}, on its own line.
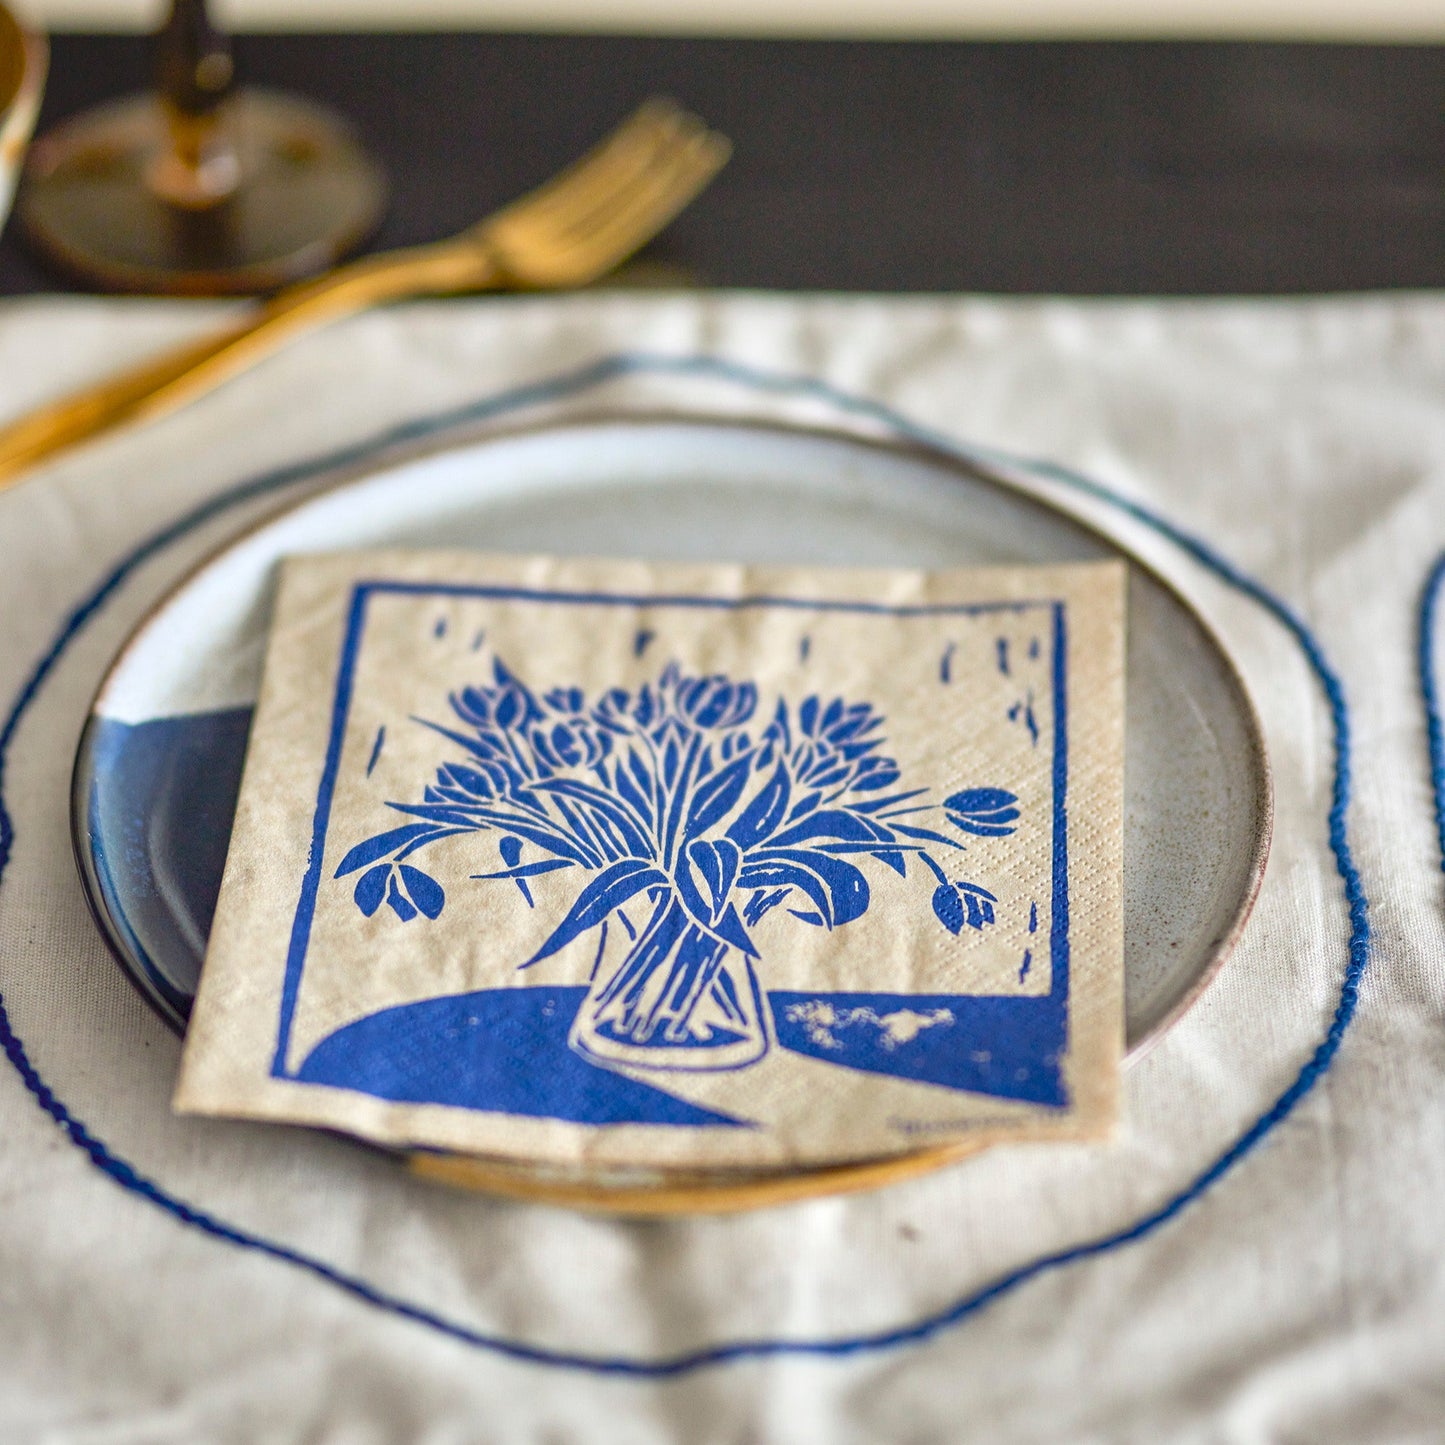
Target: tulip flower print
{"x": 690, "y": 808}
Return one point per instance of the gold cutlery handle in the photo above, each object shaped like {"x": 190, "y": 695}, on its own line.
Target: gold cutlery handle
{"x": 569, "y": 232}
{"x": 164, "y": 383}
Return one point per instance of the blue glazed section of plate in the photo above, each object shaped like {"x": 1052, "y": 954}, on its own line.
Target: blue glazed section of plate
{"x": 159, "y": 798}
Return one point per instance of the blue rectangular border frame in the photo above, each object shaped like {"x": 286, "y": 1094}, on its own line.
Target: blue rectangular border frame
{"x": 1053, "y": 1007}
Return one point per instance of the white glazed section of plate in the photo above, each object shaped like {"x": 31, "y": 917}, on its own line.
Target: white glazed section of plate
{"x": 1197, "y": 784}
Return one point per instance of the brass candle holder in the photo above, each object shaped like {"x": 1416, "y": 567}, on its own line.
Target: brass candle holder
{"x": 200, "y": 188}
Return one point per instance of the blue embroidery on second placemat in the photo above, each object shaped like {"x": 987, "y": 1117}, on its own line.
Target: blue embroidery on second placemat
{"x": 1430, "y": 693}
{"x": 778, "y": 384}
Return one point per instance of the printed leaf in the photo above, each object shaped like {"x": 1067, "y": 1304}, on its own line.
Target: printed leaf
{"x": 832, "y": 823}
{"x": 529, "y": 870}
{"x": 629, "y": 792}
{"x": 378, "y": 847}
{"x": 701, "y": 911}
{"x": 926, "y": 835}
{"x": 553, "y": 839}
{"x": 948, "y": 907}
{"x": 638, "y": 764}
{"x": 718, "y": 862}
{"x": 978, "y": 903}
{"x": 846, "y": 731}
{"x": 838, "y": 888}
{"x": 509, "y": 709}
{"x": 720, "y": 922}
{"x": 804, "y": 805}
{"x": 370, "y": 889}
{"x": 717, "y": 797}
{"x": 764, "y": 812}
{"x": 883, "y": 774}
{"x": 401, "y": 905}
{"x": 447, "y": 815}
{"x": 596, "y": 800}
{"x": 477, "y": 747}
{"x": 469, "y": 780}
{"x": 730, "y": 928}
{"x": 960, "y": 903}
{"x": 606, "y": 892}
{"x": 763, "y": 901}
{"x": 423, "y": 890}
{"x": 779, "y": 727}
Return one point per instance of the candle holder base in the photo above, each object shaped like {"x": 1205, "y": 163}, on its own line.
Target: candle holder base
{"x": 279, "y": 190}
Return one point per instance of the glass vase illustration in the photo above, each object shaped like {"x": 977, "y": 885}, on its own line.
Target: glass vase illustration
{"x": 680, "y": 998}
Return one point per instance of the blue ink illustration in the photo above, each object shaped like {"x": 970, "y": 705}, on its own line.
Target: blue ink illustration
{"x": 692, "y": 818}
{"x": 670, "y": 837}
{"x": 823, "y": 1020}
{"x": 376, "y": 748}
{"x": 1023, "y": 711}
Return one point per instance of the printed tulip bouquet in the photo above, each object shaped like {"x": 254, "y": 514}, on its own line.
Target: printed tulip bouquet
{"x": 690, "y": 820}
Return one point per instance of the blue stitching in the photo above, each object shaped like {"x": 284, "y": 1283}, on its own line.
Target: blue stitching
{"x": 1430, "y": 693}
{"x": 568, "y": 384}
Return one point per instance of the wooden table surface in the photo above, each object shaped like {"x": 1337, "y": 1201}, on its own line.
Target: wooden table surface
{"x": 1098, "y": 167}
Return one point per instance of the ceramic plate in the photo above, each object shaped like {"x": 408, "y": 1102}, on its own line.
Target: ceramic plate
{"x": 160, "y": 760}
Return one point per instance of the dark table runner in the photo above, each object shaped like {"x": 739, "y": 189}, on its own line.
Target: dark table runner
{"x": 1082, "y": 168}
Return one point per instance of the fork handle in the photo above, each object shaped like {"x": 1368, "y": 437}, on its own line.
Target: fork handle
{"x": 185, "y": 372}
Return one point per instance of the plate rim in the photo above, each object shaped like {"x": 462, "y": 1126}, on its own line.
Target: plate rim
{"x": 690, "y": 1193}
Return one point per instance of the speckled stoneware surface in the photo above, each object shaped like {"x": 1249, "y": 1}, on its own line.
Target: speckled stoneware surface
{"x": 160, "y": 760}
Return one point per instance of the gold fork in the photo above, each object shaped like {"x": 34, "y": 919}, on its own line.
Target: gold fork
{"x": 570, "y": 231}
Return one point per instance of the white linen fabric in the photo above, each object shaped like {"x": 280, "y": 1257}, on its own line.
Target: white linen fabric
{"x": 1300, "y": 1297}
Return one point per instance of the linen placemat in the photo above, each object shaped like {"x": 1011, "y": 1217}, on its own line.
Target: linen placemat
{"x": 1254, "y": 1257}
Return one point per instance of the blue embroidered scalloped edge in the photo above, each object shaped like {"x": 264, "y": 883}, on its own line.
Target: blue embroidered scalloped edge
{"x": 597, "y": 373}
{"x": 1430, "y": 693}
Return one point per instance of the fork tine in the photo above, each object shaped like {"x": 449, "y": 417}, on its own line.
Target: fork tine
{"x": 646, "y": 209}
{"x": 589, "y": 180}
{"x": 587, "y": 205}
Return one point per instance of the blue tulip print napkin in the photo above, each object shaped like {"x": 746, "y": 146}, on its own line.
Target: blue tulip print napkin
{"x": 623, "y": 864}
